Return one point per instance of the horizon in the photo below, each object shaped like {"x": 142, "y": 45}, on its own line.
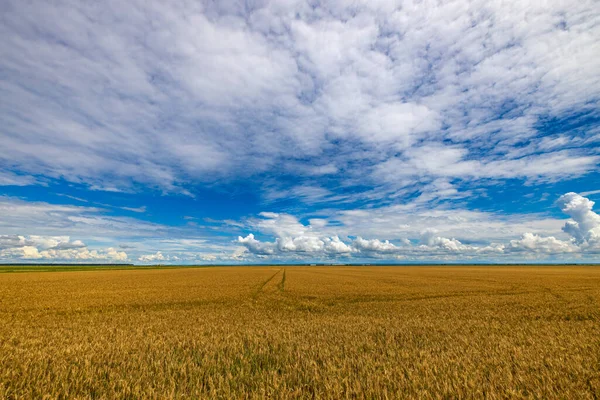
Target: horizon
{"x": 408, "y": 264}
{"x": 275, "y": 134}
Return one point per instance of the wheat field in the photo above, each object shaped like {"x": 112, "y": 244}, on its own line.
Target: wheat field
{"x": 302, "y": 332}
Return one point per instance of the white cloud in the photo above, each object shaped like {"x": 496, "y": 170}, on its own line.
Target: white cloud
{"x": 591, "y": 192}
{"x": 45, "y": 219}
{"x": 21, "y": 252}
{"x": 398, "y": 123}
{"x": 54, "y": 248}
{"x": 431, "y": 247}
{"x": 256, "y": 246}
{"x": 374, "y": 245}
{"x": 437, "y": 161}
{"x": 158, "y": 256}
{"x": 334, "y": 245}
{"x": 308, "y": 194}
{"x": 141, "y": 209}
{"x": 313, "y": 170}
{"x": 537, "y": 244}
{"x": 302, "y": 244}
{"x": 430, "y": 239}
{"x": 410, "y": 220}
{"x": 585, "y": 223}
{"x": 317, "y": 238}
{"x": 162, "y": 93}
{"x": 10, "y": 241}
{"x": 438, "y": 233}
{"x": 76, "y": 244}
{"x": 83, "y": 254}
{"x": 43, "y": 225}
{"x": 8, "y": 178}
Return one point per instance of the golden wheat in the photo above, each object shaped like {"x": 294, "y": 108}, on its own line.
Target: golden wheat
{"x": 302, "y": 332}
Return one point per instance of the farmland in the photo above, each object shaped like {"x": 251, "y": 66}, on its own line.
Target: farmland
{"x": 301, "y": 332}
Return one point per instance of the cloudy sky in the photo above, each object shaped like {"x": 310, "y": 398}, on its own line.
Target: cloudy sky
{"x": 299, "y": 131}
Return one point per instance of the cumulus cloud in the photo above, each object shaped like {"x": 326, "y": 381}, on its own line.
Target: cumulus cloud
{"x": 293, "y": 238}
{"x": 334, "y": 245}
{"x": 585, "y": 223}
{"x": 325, "y": 247}
{"x": 158, "y": 256}
{"x": 58, "y": 248}
{"x": 12, "y": 241}
{"x": 336, "y": 236}
{"x": 537, "y": 244}
{"x": 308, "y": 244}
{"x": 374, "y": 245}
{"x": 189, "y": 256}
{"x": 83, "y": 253}
{"x": 430, "y": 239}
{"x": 256, "y": 246}
{"x": 30, "y": 223}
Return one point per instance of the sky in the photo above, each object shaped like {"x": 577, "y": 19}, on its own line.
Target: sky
{"x": 231, "y": 132}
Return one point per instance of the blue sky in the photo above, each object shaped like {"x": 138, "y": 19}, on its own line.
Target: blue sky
{"x": 258, "y": 132}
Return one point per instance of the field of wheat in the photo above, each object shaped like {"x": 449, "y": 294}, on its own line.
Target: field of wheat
{"x": 302, "y": 332}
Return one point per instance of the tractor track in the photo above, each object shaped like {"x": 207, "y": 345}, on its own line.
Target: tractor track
{"x": 259, "y": 290}
{"x": 281, "y": 285}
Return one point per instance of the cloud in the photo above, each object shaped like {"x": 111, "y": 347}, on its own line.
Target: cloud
{"x": 454, "y": 162}
{"x": 8, "y": 178}
{"x": 412, "y": 219}
{"x": 585, "y": 224}
{"x": 316, "y": 239}
{"x": 334, "y": 245}
{"x": 431, "y": 240}
{"x": 308, "y": 194}
{"x": 158, "y": 256}
{"x": 76, "y": 244}
{"x": 306, "y": 244}
{"x": 591, "y": 192}
{"x": 312, "y": 90}
{"x": 48, "y": 226}
{"x": 312, "y": 170}
{"x": 141, "y": 209}
{"x": 410, "y": 232}
{"x": 537, "y": 244}
{"x": 374, "y": 245}
{"x": 324, "y": 247}
{"x": 53, "y": 248}
{"x": 23, "y": 252}
{"x": 81, "y": 254}
{"x": 10, "y": 241}
{"x": 46, "y": 219}
{"x": 256, "y": 246}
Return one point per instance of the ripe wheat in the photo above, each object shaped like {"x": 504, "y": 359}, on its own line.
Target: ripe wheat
{"x": 302, "y": 332}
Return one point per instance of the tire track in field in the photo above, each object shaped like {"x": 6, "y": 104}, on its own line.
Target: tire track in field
{"x": 281, "y": 285}
{"x": 265, "y": 283}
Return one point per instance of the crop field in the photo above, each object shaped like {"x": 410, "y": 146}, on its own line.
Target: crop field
{"x": 302, "y": 332}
